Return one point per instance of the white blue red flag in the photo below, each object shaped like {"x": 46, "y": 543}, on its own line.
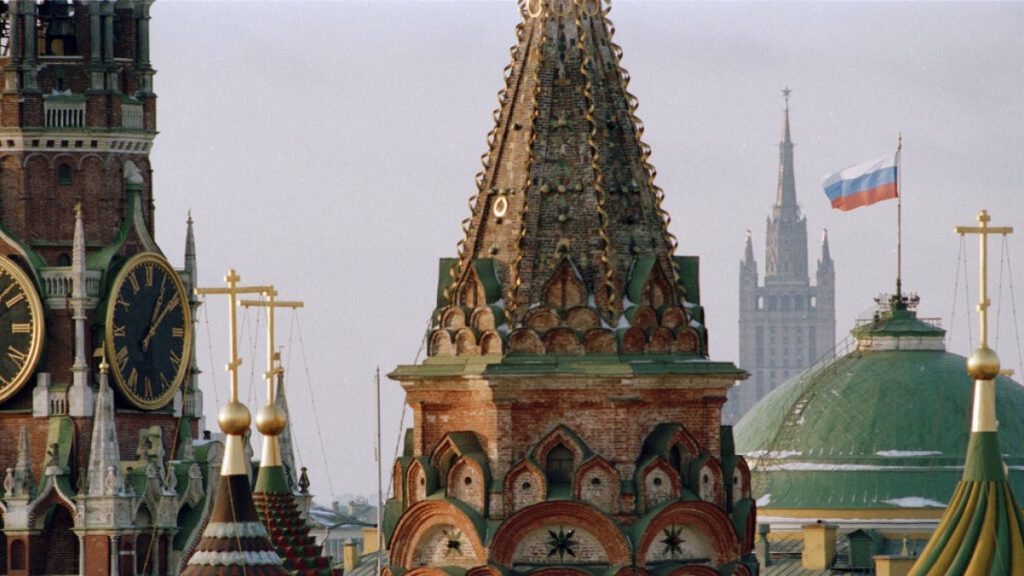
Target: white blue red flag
{"x": 862, "y": 184}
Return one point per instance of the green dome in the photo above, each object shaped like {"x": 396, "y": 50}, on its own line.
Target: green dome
{"x": 885, "y": 426}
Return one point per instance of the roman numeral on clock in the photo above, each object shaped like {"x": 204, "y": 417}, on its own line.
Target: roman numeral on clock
{"x": 17, "y": 356}
{"x": 21, "y": 328}
{"x": 121, "y": 358}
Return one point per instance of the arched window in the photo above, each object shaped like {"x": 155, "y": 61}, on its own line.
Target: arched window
{"x": 559, "y": 466}
{"x": 64, "y": 259}
{"x": 64, "y": 174}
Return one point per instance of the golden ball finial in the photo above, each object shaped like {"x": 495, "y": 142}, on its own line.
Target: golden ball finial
{"x": 234, "y": 418}
{"x": 271, "y": 420}
{"x": 983, "y": 364}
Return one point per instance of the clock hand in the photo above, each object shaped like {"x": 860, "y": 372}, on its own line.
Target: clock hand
{"x": 152, "y": 329}
{"x": 156, "y": 312}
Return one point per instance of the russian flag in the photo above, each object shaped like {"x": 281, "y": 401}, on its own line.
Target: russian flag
{"x": 862, "y": 184}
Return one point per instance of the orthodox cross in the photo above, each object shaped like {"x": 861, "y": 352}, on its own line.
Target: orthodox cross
{"x": 983, "y": 233}
{"x": 271, "y": 303}
{"x": 232, "y": 291}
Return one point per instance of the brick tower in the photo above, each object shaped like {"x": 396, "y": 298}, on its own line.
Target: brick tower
{"x": 567, "y": 418}
{"x": 786, "y": 324}
{"x": 98, "y": 380}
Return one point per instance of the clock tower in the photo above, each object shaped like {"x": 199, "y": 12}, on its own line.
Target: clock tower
{"x": 97, "y": 378}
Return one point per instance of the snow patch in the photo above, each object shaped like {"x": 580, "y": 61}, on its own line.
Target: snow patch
{"x": 907, "y": 453}
{"x": 764, "y": 500}
{"x": 914, "y": 502}
{"x": 773, "y": 454}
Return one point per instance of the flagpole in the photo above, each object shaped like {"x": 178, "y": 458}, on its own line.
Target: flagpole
{"x": 899, "y": 225}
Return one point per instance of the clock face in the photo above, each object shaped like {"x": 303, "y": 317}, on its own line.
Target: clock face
{"x": 21, "y": 328}
{"x": 149, "y": 331}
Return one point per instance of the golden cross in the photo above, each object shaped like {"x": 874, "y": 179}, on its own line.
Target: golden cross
{"x": 983, "y": 233}
{"x": 233, "y": 290}
{"x": 270, "y": 304}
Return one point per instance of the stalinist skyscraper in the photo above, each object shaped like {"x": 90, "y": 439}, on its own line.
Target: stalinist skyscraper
{"x": 786, "y": 324}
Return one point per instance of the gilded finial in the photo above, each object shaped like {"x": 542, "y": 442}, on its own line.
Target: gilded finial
{"x": 104, "y": 367}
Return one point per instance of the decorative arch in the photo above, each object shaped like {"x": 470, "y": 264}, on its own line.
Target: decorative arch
{"x": 673, "y": 316}
{"x": 706, "y": 479}
{"x": 465, "y": 343}
{"x": 467, "y": 482}
{"x": 423, "y": 517}
{"x": 518, "y": 526}
{"x": 562, "y": 341}
{"x": 564, "y": 436}
{"x": 90, "y": 156}
{"x": 524, "y": 341}
{"x": 582, "y": 318}
{"x": 50, "y": 497}
{"x": 471, "y": 289}
{"x": 687, "y": 339}
{"x": 398, "y": 481}
{"x": 453, "y": 318}
{"x": 57, "y": 159}
{"x": 420, "y": 481}
{"x": 490, "y": 343}
{"x": 633, "y": 340}
{"x": 483, "y": 319}
{"x": 597, "y": 482}
{"x": 740, "y": 489}
{"x": 643, "y": 317}
{"x": 525, "y": 485}
{"x": 441, "y": 343}
{"x": 661, "y": 341}
{"x": 541, "y": 319}
{"x": 565, "y": 288}
{"x": 658, "y": 482}
{"x": 706, "y": 518}
{"x": 599, "y": 341}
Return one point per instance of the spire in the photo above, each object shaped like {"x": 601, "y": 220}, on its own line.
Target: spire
{"x": 567, "y": 178}
{"x": 80, "y": 395}
{"x": 105, "y": 454}
{"x": 785, "y": 198}
{"x": 191, "y": 270}
{"x": 825, "y": 262}
{"x": 285, "y": 437}
{"x": 20, "y": 483}
{"x": 748, "y": 251}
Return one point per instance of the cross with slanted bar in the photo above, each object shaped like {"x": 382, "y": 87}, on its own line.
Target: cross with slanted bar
{"x": 271, "y": 303}
{"x": 983, "y": 233}
{"x": 233, "y": 290}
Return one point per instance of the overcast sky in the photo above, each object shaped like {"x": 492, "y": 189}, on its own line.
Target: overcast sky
{"x": 329, "y": 148}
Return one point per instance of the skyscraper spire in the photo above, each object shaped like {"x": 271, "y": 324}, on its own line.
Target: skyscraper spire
{"x": 785, "y": 198}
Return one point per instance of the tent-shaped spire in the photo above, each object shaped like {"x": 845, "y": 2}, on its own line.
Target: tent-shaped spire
{"x": 982, "y": 529}
{"x": 567, "y": 176}
{"x": 104, "y": 454}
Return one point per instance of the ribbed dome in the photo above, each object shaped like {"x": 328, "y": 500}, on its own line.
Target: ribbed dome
{"x": 885, "y": 426}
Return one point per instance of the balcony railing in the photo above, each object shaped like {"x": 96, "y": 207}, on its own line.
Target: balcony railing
{"x": 64, "y": 113}
{"x": 57, "y": 283}
{"x": 131, "y": 116}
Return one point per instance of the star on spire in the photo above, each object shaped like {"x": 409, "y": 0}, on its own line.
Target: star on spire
{"x": 785, "y": 94}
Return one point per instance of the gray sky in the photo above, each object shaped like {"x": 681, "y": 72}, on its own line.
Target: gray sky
{"x": 329, "y": 148}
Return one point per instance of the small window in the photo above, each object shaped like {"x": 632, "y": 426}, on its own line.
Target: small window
{"x": 64, "y": 175}
{"x": 559, "y": 466}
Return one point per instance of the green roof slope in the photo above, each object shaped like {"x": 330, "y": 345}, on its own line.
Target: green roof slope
{"x": 874, "y": 429}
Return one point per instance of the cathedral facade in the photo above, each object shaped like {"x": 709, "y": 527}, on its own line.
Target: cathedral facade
{"x": 786, "y": 324}
{"x": 567, "y": 418}
{"x": 98, "y": 400}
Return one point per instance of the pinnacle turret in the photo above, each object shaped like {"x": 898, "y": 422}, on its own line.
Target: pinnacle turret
{"x": 825, "y": 262}
{"x": 105, "y": 454}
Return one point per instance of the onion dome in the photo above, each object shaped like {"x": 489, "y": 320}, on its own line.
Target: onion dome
{"x": 234, "y": 541}
{"x": 567, "y": 248}
{"x": 876, "y": 430}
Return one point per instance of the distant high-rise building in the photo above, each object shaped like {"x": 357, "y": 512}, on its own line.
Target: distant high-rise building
{"x": 786, "y": 324}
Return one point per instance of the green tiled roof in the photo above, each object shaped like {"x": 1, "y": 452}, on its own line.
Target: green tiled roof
{"x": 874, "y": 429}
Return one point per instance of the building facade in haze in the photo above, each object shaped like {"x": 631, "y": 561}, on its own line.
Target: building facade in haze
{"x": 567, "y": 419}
{"x": 785, "y": 324}
{"x": 98, "y": 400}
